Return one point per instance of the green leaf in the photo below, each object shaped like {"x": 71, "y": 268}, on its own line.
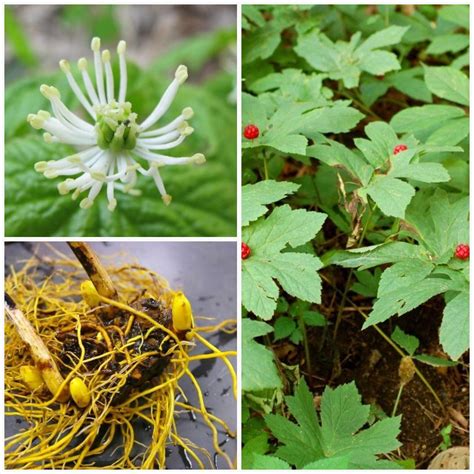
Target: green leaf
{"x": 454, "y": 330}
{"x": 391, "y": 195}
{"x": 256, "y": 196}
{"x": 345, "y": 61}
{"x": 367, "y": 284}
{"x": 195, "y": 51}
{"x": 339, "y": 438}
{"x": 409, "y": 82}
{"x": 258, "y": 366}
{"x": 373, "y": 256}
{"x": 34, "y": 207}
{"x": 405, "y": 341}
{"x": 339, "y": 462}
{"x": 403, "y": 274}
{"x": 457, "y": 14}
{"x": 448, "y": 83}
{"x": 435, "y": 361}
{"x": 17, "y": 38}
{"x": 335, "y": 154}
{"x": 301, "y": 443}
{"x": 253, "y": 14}
{"x": 296, "y": 272}
{"x": 402, "y": 300}
{"x": 386, "y": 37}
{"x": 450, "y": 43}
{"x": 288, "y": 126}
{"x": 260, "y": 43}
{"x": 253, "y": 111}
{"x": 283, "y": 327}
{"x": 314, "y": 318}
{"x": 423, "y": 121}
{"x": 254, "y": 448}
{"x": 440, "y": 223}
{"x": 451, "y": 133}
{"x": 292, "y": 84}
{"x": 379, "y": 62}
{"x": 424, "y": 172}
{"x": 269, "y": 462}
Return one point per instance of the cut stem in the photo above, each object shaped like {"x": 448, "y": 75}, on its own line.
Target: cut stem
{"x": 39, "y": 352}
{"x": 94, "y": 268}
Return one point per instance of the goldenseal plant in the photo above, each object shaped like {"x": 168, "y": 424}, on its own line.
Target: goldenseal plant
{"x": 108, "y": 149}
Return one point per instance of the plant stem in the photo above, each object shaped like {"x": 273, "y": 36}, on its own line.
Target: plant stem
{"x": 341, "y": 306}
{"x": 265, "y": 165}
{"x": 306, "y": 344}
{"x": 94, "y": 268}
{"x": 389, "y": 341}
{"x": 360, "y": 104}
{"x": 400, "y": 390}
{"x": 346, "y": 287}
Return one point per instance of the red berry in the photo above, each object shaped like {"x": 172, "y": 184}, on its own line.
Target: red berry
{"x": 462, "y": 252}
{"x": 399, "y": 148}
{"x": 245, "y": 251}
{"x": 251, "y": 132}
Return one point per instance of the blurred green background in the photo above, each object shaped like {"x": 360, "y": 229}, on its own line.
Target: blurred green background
{"x": 159, "y": 38}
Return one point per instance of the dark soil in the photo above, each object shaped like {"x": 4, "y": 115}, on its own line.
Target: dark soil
{"x": 366, "y": 358}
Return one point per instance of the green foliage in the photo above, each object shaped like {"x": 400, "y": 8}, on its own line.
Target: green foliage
{"x": 347, "y": 60}
{"x": 448, "y": 83}
{"x": 380, "y": 173}
{"x": 337, "y": 437}
{"x": 258, "y": 368}
{"x": 269, "y": 239}
{"x": 33, "y": 207}
{"x": 423, "y": 270}
{"x": 17, "y": 38}
{"x": 334, "y": 91}
{"x": 411, "y": 343}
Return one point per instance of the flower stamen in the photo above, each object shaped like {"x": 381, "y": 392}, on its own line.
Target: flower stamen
{"x": 110, "y": 149}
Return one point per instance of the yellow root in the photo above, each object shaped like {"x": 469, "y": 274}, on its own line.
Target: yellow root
{"x": 65, "y": 435}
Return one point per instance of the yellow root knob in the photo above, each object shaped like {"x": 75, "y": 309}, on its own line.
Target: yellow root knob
{"x": 89, "y": 293}
{"x": 79, "y": 392}
{"x": 53, "y": 380}
{"x": 32, "y": 377}
{"x": 406, "y": 370}
{"x": 182, "y": 313}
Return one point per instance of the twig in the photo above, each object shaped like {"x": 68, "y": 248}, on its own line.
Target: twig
{"x": 94, "y": 268}
{"x": 39, "y": 352}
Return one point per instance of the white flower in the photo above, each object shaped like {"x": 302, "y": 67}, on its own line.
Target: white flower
{"x": 108, "y": 147}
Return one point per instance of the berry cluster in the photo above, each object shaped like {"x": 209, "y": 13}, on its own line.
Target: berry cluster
{"x": 251, "y": 132}
{"x": 245, "y": 251}
{"x": 462, "y": 252}
{"x": 399, "y": 148}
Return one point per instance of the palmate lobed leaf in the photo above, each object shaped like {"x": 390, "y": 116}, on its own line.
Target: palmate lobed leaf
{"x": 347, "y": 60}
{"x": 338, "y": 437}
{"x": 439, "y": 222}
{"x": 381, "y": 172}
{"x": 296, "y": 272}
{"x": 287, "y": 127}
